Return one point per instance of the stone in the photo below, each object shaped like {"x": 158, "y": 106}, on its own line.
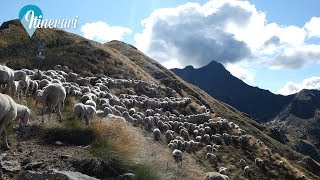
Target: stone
{"x": 127, "y": 176}
{"x": 65, "y": 156}
{"x": 55, "y": 174}
{"x": 34, "y": 165}
{"x": 58, "y": 143}
{"x": 10, "y": 166}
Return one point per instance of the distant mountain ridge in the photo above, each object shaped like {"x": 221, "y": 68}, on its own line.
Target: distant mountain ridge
{"x": 221, "y": 84}
{"x": 301, "y": 119}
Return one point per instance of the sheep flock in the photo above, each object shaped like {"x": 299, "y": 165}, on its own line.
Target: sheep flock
{"x": 141, "y": 106}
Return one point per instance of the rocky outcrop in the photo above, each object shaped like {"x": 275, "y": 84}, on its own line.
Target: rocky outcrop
{"x": 54, "y": 174}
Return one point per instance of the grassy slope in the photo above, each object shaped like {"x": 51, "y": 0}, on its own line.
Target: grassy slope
{"x": 168, "y": 78}
{"x": 118, "y": 60}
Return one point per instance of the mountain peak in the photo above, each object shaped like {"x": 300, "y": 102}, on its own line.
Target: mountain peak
{"x": 221, "y": 84}
{"x": 7, "y": 24}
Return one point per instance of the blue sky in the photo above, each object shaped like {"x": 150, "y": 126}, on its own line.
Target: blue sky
{"x": 166, "y": 39}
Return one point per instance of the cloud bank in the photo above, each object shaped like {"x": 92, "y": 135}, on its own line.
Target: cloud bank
{"x": 228, "y": 31}
{"x": 292, "y": 87}
{"x": 102, "y": 32}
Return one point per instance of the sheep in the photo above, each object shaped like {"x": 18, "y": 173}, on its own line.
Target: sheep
{"x": 259, "y": 162}
{"x": 43, "y": 83}
{"x": 216, "y": 176}
{"x": 33, "y": 87}
{"x": 23, "y": 86}
{"x": 20, "y": 75}
{"x": 91, "y": 103}
{"x": 57, "y": 67}
{"x": 243, "y": 163}
{"x": 281, "y": 163}
{"x": 85, "y": 90}
{"x": 107, "y": 111}
{"x": 172, "y": 146}
{"x": 79, "y": 111}
{"x": 90, "y": 113}
{"x": 8, "y": 112}
{"x": 39, "y": 96}
{"x": 169, "y": 135}
{"x": 23, "y": 113}
{"x": 100, "y": 113}
{"x": 53, "y": 97}
{"x": 246, "y": 170}
{"x": 132, "y": 111}
{"x": 184, "y": 133}
{"x": 208, "y": 148}
{"x": 212, "y": 158}
{"x": 85, "y": 98}
{"x": 206, "y": 139}
{"x": 223, "y": 170}
{"x": 6, "y": 78}
{"x": 156, "y": 134}
{"x": 177, "y": 155}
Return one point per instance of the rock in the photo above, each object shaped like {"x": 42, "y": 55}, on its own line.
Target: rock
{"x": 65, "y": 157}
{"x": 58, "y": 143}
{"x": 278, "y": 135}
{"x": 10, "y": 166}
{"x": 55, "y": 174}
{"x": 34, "y": 165}
{"x": 127, "y": 176}
{"x": 71, "y": 175}
{"x": 26, "y": 161}
{"x": 2, "y": 156}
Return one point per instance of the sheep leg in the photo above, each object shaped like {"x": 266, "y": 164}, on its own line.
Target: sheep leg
{"x": 3, "y": 132}
{"x": 87, "y": 121}
{"x": 5, "y": 139}
{"x": 59, "y": 111}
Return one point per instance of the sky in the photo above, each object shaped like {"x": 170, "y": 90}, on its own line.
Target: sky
{"x": 272, "y": 44}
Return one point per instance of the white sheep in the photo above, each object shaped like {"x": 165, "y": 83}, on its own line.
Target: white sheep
{"x": 6, "y": 78}
{"x": 216, "y": 176}
{"x": 177, "y": 155}
{"x": 259, "y": 162}
{"x": 156, "y": 134}
{"x": 212, "y": 158}
{"x": 91, "y": 103}
{"x": 23, "y": 113}
{"x": 53, "y": 98}
{"x": 86, "y": 112}
{"x": 79, "y": 111}
{"x": 8, "y": 112}
{"x": 20, "y": 75}
{"x": 184, "y": 133}
{"x": 223, "y": 170}
{"x": 169, "y": 135}
{"x": 243, "y": 163}
{"x": 38, "y": 96}
{"x": 90, "y": 113}
{"x": 246, "y": 170}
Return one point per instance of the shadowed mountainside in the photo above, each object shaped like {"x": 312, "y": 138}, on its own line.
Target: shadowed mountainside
{"x": 221, "y": 84}
{"x": 301, "y": 120}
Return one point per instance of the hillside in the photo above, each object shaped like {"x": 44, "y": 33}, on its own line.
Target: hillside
{"x": 300, "y": 119}
{"x": 120, "y": 60}
{"x": 221, "y": 84}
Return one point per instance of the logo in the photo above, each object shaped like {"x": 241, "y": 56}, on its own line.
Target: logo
{"x": 31, "y": 18}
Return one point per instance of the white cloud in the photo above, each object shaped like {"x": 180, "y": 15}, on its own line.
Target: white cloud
{"x": 295, "y": 57}
{"x": 241, "y": 73}
{"x": 228, "y": 31}
{"x": 292, "y": 87}
{"x": 313, "y": 27}
{"x": 103, "y": 32}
